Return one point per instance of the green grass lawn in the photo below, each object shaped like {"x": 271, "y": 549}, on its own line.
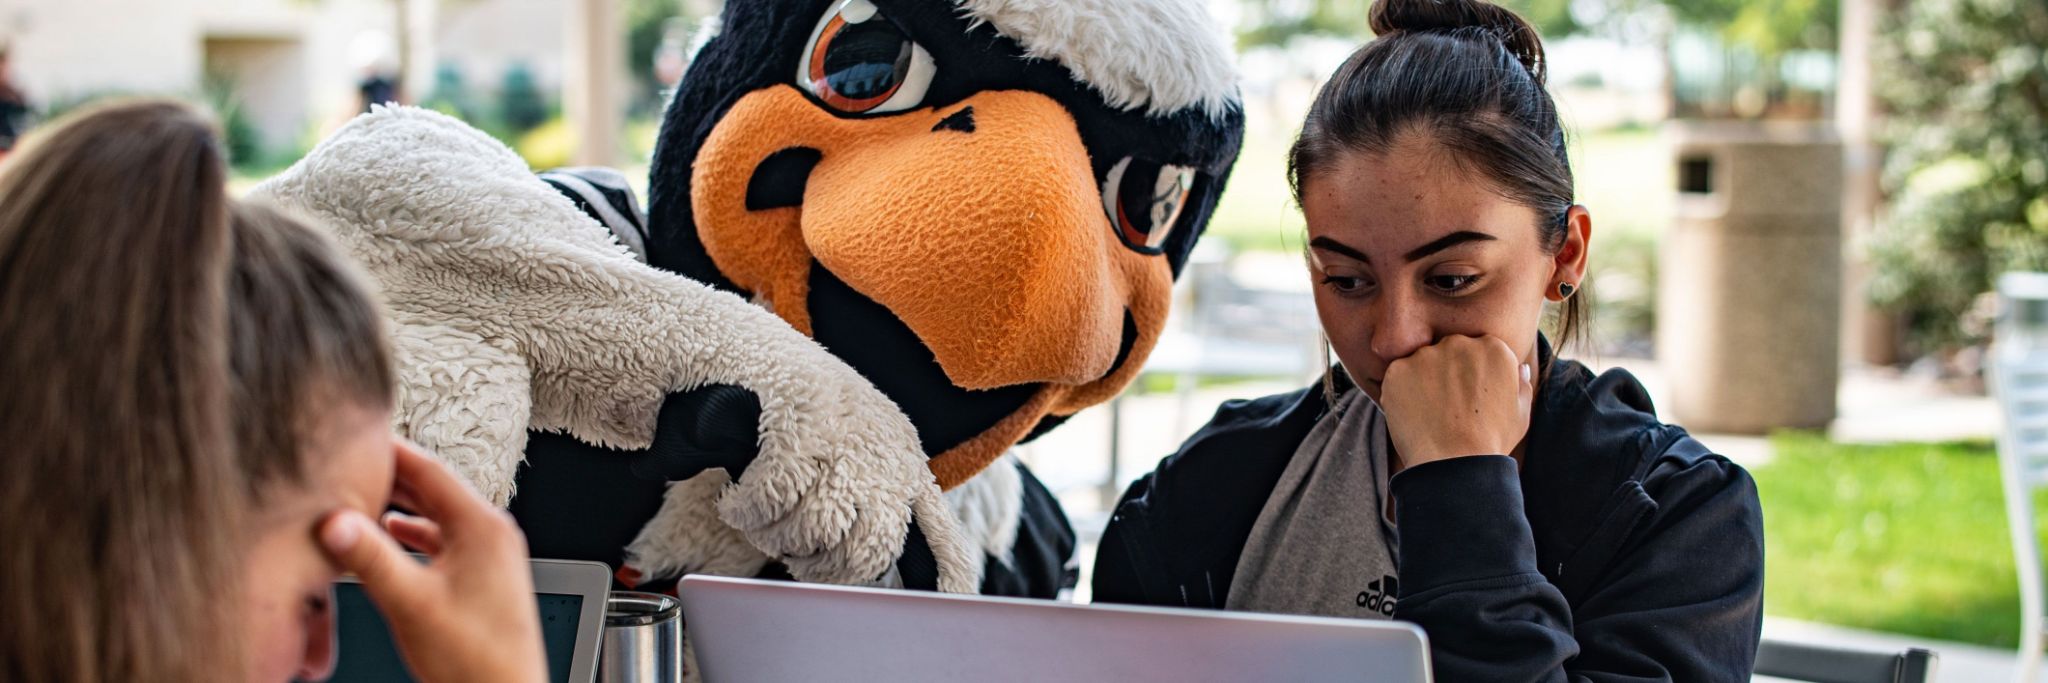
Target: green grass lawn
{"x": 1906, "y": 538}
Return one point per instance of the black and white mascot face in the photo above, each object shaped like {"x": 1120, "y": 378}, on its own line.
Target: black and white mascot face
{"x": 981, "y": 205}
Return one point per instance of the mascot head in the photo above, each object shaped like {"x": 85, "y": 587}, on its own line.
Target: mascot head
{"x": 981, "y": 205}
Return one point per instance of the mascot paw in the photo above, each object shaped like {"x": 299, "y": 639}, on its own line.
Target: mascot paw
{"x": 852, "y": 529}
{"x": 686, "y": 537}
{"x": 838, "y": 480}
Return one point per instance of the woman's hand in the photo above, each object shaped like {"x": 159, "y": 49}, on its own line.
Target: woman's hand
{"x": 1458, "y": 397}
{"x": 467, "y": 614}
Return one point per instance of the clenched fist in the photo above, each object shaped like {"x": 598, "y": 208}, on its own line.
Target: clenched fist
{"x": 1458, "y": 397}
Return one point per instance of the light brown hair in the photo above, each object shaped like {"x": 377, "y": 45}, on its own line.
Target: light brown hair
{"x": 304, "y": 337}
{"x": 164, "y": 349}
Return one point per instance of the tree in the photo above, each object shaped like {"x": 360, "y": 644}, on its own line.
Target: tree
{"x": 1965, "y": 84}
{"x": 1768, "y": 27}
{"x": 647, "y": 23}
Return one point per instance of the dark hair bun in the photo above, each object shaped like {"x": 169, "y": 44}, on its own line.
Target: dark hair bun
{"x": 1446, "y": 16}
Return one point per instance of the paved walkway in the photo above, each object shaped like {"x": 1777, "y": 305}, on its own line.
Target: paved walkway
{"x": 1876, "y": 406}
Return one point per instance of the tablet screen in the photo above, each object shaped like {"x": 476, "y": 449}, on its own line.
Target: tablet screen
{"x": 367, "y": 654}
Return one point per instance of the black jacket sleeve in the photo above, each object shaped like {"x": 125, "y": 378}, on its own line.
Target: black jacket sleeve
{"x": 1676, "y": 561}
{"x": 1118, "y": 578}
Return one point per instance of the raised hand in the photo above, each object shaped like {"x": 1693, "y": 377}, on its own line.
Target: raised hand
{"x": 1461, "y": 396}
{"x": 467, "y": 614}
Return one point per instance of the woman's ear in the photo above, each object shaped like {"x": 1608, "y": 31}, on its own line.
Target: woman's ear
{"x": 1570, "y": 261}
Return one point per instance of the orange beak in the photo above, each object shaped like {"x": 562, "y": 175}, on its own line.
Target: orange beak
{"x": 979, "y": 226}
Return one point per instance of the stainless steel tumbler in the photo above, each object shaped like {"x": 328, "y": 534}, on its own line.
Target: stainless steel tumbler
{"x": 643, "y": 639}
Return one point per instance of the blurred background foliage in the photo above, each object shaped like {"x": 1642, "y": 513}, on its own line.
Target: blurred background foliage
{"x": 1965, "y": 87}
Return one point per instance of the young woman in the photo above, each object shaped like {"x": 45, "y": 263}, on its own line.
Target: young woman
{"x": 1536, "y": 520}
{"x": 196, "y": 429}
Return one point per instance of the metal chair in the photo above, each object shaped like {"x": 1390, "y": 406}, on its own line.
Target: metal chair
{"x": 1819, "y": 664}
{"x": 2019, "y": 379}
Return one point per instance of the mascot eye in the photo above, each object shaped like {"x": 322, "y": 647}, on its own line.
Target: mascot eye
{"x": 859, "y": 62}
{"x": 1143, "y": 199}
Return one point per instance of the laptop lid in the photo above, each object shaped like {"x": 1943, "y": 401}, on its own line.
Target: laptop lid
{"x": 570, "y": 595}
{"x": 750, "y": 630}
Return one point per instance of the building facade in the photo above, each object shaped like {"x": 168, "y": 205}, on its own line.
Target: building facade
{"x": 293, "y": 67}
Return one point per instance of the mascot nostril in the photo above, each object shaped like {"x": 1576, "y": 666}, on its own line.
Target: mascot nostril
{"x": 778, "y": 183}
{"x": 962, "y": 122}
{"x": 886, "y": 241}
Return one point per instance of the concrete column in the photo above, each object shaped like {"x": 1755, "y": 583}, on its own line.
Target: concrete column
{"x": 594, "y": 82}
{"x": 1868, "y": 335}
{"x": 422, "y": 25}
{"x": 1749, "y": 309}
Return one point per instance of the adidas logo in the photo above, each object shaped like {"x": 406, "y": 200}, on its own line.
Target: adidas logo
{"x": 1379, "y": 596}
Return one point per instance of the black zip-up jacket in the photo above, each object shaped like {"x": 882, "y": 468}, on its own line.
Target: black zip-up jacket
{"x": 1622, "y": 549}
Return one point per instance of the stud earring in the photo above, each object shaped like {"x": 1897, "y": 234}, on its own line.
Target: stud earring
{"x": 1565, "y": 290}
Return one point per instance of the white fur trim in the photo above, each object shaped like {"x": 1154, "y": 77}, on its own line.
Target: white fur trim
{"x": 466, "y": 399}
{"x": 1161, "y": 55}
{"x": 688, "y": 538}
{"x": 500, "y": 289}
{"x": 989, "y": 505}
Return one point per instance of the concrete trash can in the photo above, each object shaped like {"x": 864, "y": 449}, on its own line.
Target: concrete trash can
{"x": 1748, "y": 326}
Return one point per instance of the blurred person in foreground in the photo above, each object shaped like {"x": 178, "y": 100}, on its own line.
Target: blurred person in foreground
{"x": 197, "y": 429}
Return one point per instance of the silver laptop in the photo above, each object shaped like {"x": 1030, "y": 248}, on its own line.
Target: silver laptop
{"x": 749, "y": 630}
{"x": 571, "y": 596}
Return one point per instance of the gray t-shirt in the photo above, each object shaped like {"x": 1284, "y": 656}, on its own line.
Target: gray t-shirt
{"x": 1323, "y": 544}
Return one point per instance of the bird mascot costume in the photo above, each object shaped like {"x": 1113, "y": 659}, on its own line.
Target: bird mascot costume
{"x": 886, "y": 241}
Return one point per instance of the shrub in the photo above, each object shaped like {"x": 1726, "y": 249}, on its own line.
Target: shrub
{"x": 1966, "y": 86}
{"x": 521, "y": 106}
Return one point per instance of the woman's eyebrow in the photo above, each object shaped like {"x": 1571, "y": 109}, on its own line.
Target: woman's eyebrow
{"x": 1327, "y": 244}
{"x": 1446, "y": 242}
